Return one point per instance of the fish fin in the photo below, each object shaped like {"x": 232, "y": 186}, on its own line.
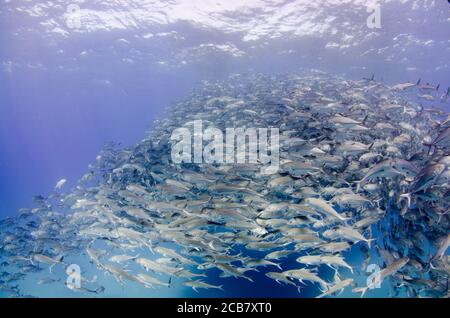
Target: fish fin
{"x": 364, "y": 120}
{"x": 331, "y": 266}
{"x": 429, "y": 147}
{"x": 324, "y": 289}
{"x": 220, "y": 287}
{"x": 361, "y": 290}
{"x": 418, "y": 82}
{"x": 50, "y": 268}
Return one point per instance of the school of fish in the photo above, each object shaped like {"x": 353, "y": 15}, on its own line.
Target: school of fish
{"x": 362, "y": 166}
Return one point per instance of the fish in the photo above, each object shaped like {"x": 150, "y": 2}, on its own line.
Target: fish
{"x": 119, "y": 274}
{"x": 339, "y": 286}
{"x": 229, "y": 270}
{"x": 347, "y": 233}
{"x": 198, "y": 284}
{"x": 404, "y": 86}
{"x": 149, "y": 281}
{"x": 303, "y": 274}
{"x": 334, "y": 247}
{"x": 60, "y": 184}
{"x": 329, "y": 260}
{"x": 382, "y": 169}
{"x": 85, "y": 290}
{"x": 40, "y": 258}
{"x": 280, "y": 278}
{"x": 383, "y": 274}
{"x": 157, "y": 267}
{"x": 443, "y": 244}
{"x": 122, "y": 258}
{"x": 323, "y": 207}
{"x": 171, "y": 253}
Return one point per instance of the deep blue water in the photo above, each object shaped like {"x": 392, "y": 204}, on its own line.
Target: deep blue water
{"x": 63, "y": 96}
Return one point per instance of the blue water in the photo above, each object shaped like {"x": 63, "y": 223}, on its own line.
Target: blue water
{"x": 66, "y": 92}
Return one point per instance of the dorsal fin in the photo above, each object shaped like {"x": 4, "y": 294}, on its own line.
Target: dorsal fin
{"x": 336, "y": 278}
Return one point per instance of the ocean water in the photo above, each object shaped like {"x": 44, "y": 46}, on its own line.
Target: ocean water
{"x": 76, "y": 75}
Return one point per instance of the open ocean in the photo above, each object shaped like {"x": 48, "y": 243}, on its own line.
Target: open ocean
{"x": 78, "y": 75}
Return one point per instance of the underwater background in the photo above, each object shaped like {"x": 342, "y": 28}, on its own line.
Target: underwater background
{"x": 76, "y": 75}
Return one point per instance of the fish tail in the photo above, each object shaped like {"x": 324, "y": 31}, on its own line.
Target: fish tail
{"x": 361, "y": 290}
{"x": 98, "y": 290}
{"x": 150, "y": 247}
{"x": 358, "y": 185}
